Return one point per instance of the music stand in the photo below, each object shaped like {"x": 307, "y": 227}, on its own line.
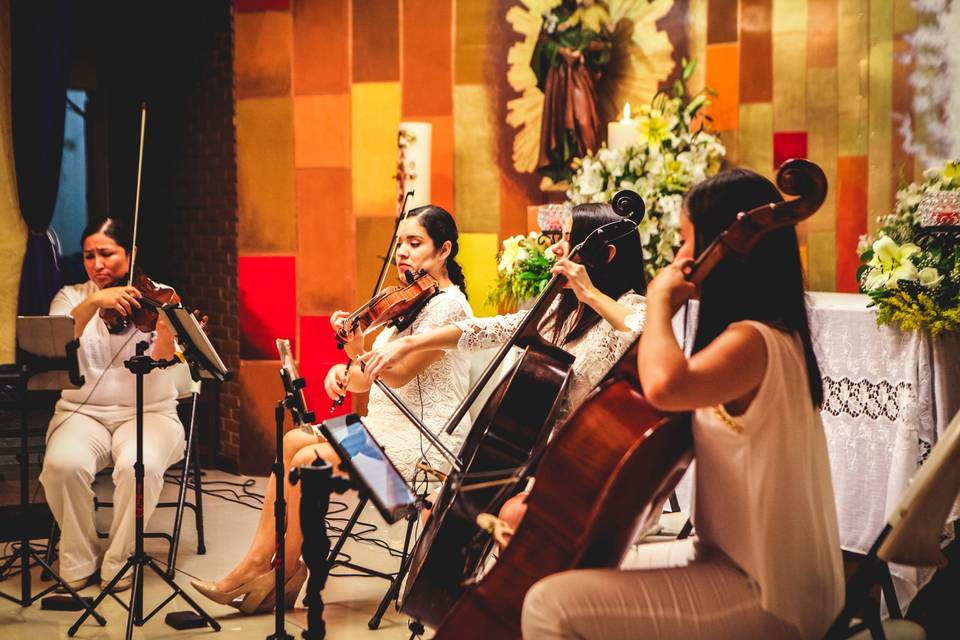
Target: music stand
{"x": 46, "y": 360}
{"x": 371, "y": 473}
{"x": 202, "y": 358}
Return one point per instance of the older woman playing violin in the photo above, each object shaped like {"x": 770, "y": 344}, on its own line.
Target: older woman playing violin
{"x": 94, "y": 426}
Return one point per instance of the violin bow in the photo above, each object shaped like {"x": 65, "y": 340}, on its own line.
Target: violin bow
{"x": 136, "y": 202}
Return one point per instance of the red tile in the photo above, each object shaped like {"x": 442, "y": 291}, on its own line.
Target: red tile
{"x": 243, "y": 6}
{"x": 268, "y": 304}
{"x": 787, "y": 145}
{"x": 318, "y": 352}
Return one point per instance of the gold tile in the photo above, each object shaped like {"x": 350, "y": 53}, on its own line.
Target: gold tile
{"x": 882, "y": 177}
{"x": 789, "y": 80}
{"x": 265, "y": 175}
{"x": 478, "y": 256}
{"x": 471, "y": 38}
{"x": 375, "y": 121}
{"x": 697, "y": 38}
{"x": 853, "y": 51}
{"x": 821, "y": 260}
{"x": 822, "y": 139}
{"x": 476, "y": 175}
{"x": 756, "y": 137}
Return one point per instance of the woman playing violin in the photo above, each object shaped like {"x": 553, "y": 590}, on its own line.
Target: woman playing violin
{"x": 94, "y": 426}
{"x": 767, "y": 562}
{"x": 588, "y": 318}
{"x": 431, "y": 383}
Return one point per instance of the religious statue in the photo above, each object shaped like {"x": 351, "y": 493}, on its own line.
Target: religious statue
{"x": 568, "y": 59}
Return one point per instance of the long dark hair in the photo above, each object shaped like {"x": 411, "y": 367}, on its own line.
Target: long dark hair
{"x": 622, "y": 274}
{"x": 768, "y": 285}
{"x": 441, "y": 227}
{"x": 112, "y": 228}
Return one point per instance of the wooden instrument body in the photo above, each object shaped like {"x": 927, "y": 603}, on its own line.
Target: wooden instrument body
{"x": 512, "y": 423}
{"x": 601, "y": 480}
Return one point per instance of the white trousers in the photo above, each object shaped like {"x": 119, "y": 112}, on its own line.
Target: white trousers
{"x": 77, "y": 449}
{"x": 671, "y": 590}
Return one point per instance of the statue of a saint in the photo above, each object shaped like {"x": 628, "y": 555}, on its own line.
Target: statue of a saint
{"x": 573, "y": 47}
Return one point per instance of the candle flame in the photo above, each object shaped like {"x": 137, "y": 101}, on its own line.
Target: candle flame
{"x": 626, "y": 111}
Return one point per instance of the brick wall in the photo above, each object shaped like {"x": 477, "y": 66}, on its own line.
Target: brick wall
{"x": 205, "y": 206}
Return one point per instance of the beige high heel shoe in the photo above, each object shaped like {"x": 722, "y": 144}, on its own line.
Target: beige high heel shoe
{"x": 252, "y": 592}
{"x": 291, "y": 589}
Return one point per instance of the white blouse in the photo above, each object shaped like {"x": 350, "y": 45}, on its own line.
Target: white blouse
{"x": 109, "y": 390}
{"x": 595, "y": 352}
{"x": 433, "y": 395}
{"x": 763, "y": 494}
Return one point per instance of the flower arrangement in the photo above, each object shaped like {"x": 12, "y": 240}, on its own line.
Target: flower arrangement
{"x": 523, "y": 270}
{"x": 673, "y": 152}
{"x": 912, "y": 275}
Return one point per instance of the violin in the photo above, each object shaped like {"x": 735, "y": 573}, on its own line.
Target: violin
{"x": 394, "y": 305}
{"x": 144, "y": 317}
{"x": 626, "y": 455}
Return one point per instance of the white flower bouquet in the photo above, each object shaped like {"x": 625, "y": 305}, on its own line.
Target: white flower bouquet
{"x": 912, "y": 273}
{"x": 674, "y": 151}
{"x": 523, "y": 270}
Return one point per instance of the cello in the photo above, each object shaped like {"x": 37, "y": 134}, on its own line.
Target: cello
{"x": 615, "y": 460}
{"x": 513, "y": 422}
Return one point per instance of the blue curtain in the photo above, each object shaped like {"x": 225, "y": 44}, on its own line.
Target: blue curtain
{"x": 39, "y": 44}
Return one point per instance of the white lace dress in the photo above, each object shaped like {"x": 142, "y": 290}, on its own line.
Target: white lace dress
{"x": 595, "y": 353}
{"x": 433, "y": 395}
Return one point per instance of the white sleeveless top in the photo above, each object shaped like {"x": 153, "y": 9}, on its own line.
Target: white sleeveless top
{"x": 763, "y": 494}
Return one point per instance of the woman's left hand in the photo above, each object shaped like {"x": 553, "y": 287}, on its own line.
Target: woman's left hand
{"x": 577, "y": 278}
{"x": 385, "y": 357}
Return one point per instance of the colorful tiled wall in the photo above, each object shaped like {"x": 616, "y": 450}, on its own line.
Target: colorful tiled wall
{"x": 322, "y": 85}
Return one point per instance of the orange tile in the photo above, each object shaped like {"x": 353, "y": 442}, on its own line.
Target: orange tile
{"x": 822, "y": 33}
{"x": 326, "y": 227}
{"x": 321, "y": 46}
{"x": 427, "y": 58}
{"x": 260, "y": 389}
{"x": 756, "y": 51}
{"x": 513, "y": 206}
{"x": 265, "y": 180}
{"x": 376, "y": 41}
{"x": 851, "y": 217}
{"x": 262, "y": 44}
{"x": 723, "y": 75}
{"x": 321, "y": 128}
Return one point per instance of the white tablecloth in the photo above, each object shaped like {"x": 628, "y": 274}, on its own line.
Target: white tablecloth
{"x": 888, "y": 395}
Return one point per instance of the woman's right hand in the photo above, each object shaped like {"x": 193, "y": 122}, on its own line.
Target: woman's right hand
{"x": 353, "y": 344}
{"x": 335, "y": 384}
{"x": 120, "y": 299}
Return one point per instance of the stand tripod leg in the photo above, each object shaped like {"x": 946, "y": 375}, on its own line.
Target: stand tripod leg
{"x": 335, "y": 552}
{"x": 393, "y": 591}
{"x": 180, "y": 592}
{"x": 135, "y": 615}
{"x": 91, "y": 610}
{"x": 70, "y": 590}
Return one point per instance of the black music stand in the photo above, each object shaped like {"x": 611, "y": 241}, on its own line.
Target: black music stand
{"x": 374, "y": 477}
{"x": 293, "y": 401}
{"x": 199, "y": 354}
{"x": 47, "y": 353}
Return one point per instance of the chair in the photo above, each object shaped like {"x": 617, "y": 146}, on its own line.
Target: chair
{"x": 911, "y": 537}
{"x": 190, "y": 465}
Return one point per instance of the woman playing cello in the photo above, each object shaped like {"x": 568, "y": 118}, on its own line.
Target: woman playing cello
{"x": 767, "y": 561}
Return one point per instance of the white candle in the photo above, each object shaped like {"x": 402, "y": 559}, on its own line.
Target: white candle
{"x": 623, "y": 133}
{"x": 414, "y": 163}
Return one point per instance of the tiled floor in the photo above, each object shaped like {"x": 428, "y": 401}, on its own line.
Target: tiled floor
{"x": 229, "y": 527}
